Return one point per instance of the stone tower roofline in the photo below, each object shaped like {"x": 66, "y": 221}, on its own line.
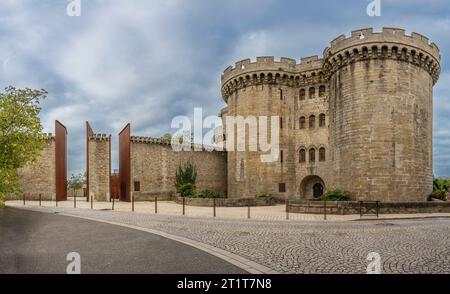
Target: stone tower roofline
{"x": 100, "y": 137}
{"x": 362, "y": 44}
{"x": 387, "y": 35}
{"x": 159, "y": 141}
{"x": 268, "y": 71}
{"x": 268, "y": 63}
{"x": 390, "y": 43}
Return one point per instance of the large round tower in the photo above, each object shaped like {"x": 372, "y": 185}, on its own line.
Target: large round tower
{"x": 381, "y": 113}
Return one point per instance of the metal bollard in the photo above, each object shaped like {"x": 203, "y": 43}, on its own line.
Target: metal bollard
{"x": 40, "y": 200}
{"x": 23, "y": 199}
{"x": 156, "y": 205}
{"x": 184, "y": 203}
{"x": 214, "y": 207}
{"x": 287, "y": 209}
{"x": 92, "y": 201}
{"x": 248, "y": 211}
{"x": 132, "y": 202}
{"x": 113, "y": 199}
{"x": 325, "y": 210}
{"x": 75, "y": 201}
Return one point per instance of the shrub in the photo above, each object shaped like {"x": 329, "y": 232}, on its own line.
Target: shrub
{"x": 262, "y": 195}
{"x": 336, "y": 195}
{"x": 440, "y": 184}
{"x": 185, "y": 178}
{"x": 439, "y": 194}
{"x": 208, "y": 194}
{"x": 187, "y": 190}
{"x": 2, "y": 200}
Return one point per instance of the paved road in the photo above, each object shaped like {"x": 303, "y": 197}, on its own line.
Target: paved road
{"x": 34, "y": 242}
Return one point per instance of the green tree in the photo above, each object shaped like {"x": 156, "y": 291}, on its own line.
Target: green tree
{"x": 185, "y": 178}
{"x": 167, "y": 137}
{"x": 21, "y": 139}
{"x": 76, "y": 183}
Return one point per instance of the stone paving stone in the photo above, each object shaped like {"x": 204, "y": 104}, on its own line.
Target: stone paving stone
{"x": 298, "y": 246}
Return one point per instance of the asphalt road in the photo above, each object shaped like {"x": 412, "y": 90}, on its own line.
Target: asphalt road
{"x": 34, "y": 242}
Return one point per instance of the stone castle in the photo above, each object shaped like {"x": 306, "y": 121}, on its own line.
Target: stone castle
{"x": 358, "y": 119}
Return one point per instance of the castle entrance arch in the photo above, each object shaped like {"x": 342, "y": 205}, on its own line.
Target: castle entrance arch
{"x": 312, "y": 187}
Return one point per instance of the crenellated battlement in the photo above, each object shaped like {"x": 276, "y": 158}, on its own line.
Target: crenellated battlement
{"x": 285, "y": 65}
{"x": 159, "y": 141}
{"x": 362, "y": 44}
{"x": 266, "y": 70}
{"x": 387, "y": 35}
{"x": 391, "y": 43}
{"x": 149, "y": 140}
{"x": 100, "y": 137}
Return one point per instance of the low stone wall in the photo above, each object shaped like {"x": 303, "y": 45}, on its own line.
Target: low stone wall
{"x": 150, "y": 196}
{"x": 45, "y": 196}
{"x": 225, "y": 202}
{"x": 353, "y": 207}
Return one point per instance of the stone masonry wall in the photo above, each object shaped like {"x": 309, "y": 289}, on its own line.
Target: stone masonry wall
{"x": 99, "y": 166}
{"x": 154, "y": 164}
{"x": 39, "y": 177}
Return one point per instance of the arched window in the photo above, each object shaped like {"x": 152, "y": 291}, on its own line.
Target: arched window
{"x": 312, "y": 155}
{"x": 302, "y": 122}
{"x": 322, "y": 91}
{"x": 312, "y": 93}
{"x": 321, "y": 120}
{"x": 312, "y": 121}
{"x": 302, "y": 94}
{"x": 322, "y": 156}
{"x": 302, "y": 155}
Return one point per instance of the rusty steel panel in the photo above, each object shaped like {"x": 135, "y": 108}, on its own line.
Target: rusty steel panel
{"x": 89, "y": 133}
{"x": 61, "y": 161}
{"x": 115, "y": 186}
{"x": 125, "y": 163}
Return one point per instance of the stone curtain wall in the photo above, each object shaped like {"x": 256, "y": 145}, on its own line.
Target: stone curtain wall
{"x": 99, "y": 166}
{"x": 39, "y": 177}
{"x": 154, "y": 164}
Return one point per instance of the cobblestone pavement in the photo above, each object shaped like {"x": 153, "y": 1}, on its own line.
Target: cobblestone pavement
{"x": 270, "y": 213}
{"x": 405, "y": 246}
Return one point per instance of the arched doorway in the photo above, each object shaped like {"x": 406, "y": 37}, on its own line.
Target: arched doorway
{"x": 317, "y": 190}
{"x": 312, "y": 187}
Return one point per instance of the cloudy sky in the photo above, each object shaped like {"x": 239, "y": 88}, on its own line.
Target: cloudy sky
{"x": 145, "y": 62}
